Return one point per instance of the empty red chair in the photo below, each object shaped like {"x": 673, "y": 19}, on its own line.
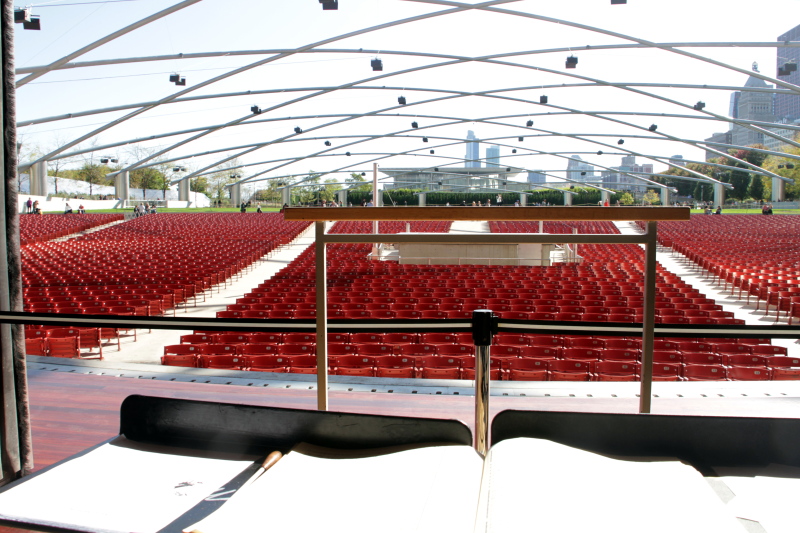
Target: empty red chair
{"x": 374, "y": 349}
{"x": 183, "y": 349}
{"x": 266, "y": 338}
{"x": 189, "y": 360}
{"x": 434, "y": 367}
{"x": 669, "y": 356}
{"x": 297, "y": 349}
{"x": 615, "y": 371}
{"x": 693, "y": 372}
{"x": 68, "y": 347}
{"x": 352, "y": 365}
{"x": 35, "y": 346}
{"x": 416, "y": 349}
{"x": 546, "y": 340}
{"x": 699, "y": 358}
{"x": 218, "y": 349}
{"x": 196, "y": 338}
{"x": 457, "y": 350}
{"x": 748, "y": 373}
{"x": 267, "y": 363}
{"x": 439, "y": 338}
{"x": 569, "y": 370}
{"x": 395, "y": 366}
{"x": 526, "y": 370}
{"x": 229, "y": 362}
{"x": 618, "y": 354}
{"x": 257, "y": 349}
{"x": 627, "y": 344}
{"x": 340, "y": 348}
{"x": 782, "y": 361}
{"x": 303, "y": 364}
{"x": 667, "y": 372}
{"x": 366, "y": 338}
{"x": 504, "y": 351}
{"x": 90, "y": 338}
{"x": 511, "y": 339}
{"x": 400, "y": 338}
{"x": 231, "y": 338}
{"x": 584, "y": 342}
{"x": 581, "y": 354}
{"x": 769, "y": 350}
{"x": 731, "y": 348}
{"x": 743, "y": 359}
{"x": 785, "y": 374}
{"x": 540, "y": 352}
{"x": 299, "y": 338}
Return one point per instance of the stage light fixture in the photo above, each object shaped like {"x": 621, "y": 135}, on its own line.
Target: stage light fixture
{"x": 543, "y": 99}
{"x": 347, "y": 154}
{"x": 621, "y": 141}
{"x": 424, "y": 139}
{"x": 255, "y": 110}
{"x": 181, "y": 81}
{"x": 298, "y": 130}
{"x": 432, "y": 151}
{"x": 327, "y": 143}
{"x": 33, "y": 24}
{"x": 572, "y": 62}
{"x": 436, "y": 169}
{"x": 514, "y": 151}
{"x": 519, "y": 139}
{"x": 780, "y": 166}
{"x": 329, "y": 5}
{"x": 377, "y": 65}
{"x": 363, "y": 173}
{"x": 583, "y": 173}
{"x": 529, "y": 123}
{"x": 174, "y": 78}
{"x": 652, "y": 127}
{"x": 782, "y": 72}
{"x": 599, "y": 152}
{"x": 179, "y": 169}
{"x": 508, "y": 169}
{"x": 790, "y": 166}
{"x": 699, "y": 106}
{"x": 22, "y": 15}
{"x": 414, "y": 125}
{"x": 401, "y": 100}
{"x": 104, "y": 160}
{"x": 618, "y": 2}
{"x": 790, "y": 66}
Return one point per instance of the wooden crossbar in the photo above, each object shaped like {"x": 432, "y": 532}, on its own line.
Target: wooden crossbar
{"x": 318, "y": 214}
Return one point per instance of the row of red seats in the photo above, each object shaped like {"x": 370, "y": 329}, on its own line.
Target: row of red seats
{"x": 47, "y": 227}
{"x": 68, "y": 342}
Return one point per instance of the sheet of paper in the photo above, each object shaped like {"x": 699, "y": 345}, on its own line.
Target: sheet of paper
{"x": 424, "y": 490}
{"x": 119, "y": 488}
{"x": 538, "y": 485}
{"x": 765, "y": 495}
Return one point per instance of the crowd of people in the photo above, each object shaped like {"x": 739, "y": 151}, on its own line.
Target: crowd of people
{"x": 144, "y": 209}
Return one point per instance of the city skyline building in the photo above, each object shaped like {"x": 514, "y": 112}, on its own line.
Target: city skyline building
{"x": 619, "y": 178}
{"x": 473, "y": 157}
{"x": 787, "y": 106}
{"x": 535, "y": 177}
{"x": 575, "y": 166}
{"x": 752, "y": 105}
{"x": 493, "y": 156}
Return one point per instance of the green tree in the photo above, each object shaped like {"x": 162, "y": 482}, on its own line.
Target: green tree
{"x": 756, "y": 190}
{"x": 147, "y": 178}
{"x": 93, "y": 174}
{"x": 778, "y": 165}
{"x": 650, "y": 197}
{"x": 626, "y": 199}
{"x": 363, "y": 186}
{"x": 740, "y": 179}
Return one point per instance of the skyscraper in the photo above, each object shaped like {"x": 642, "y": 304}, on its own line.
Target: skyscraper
{"x": 575, "y": 166}
{"x": 473, "y": 157}
{"x": 787, "y": 106}
{"x": 493, "y": 156}
{"x": 752, "y": 105}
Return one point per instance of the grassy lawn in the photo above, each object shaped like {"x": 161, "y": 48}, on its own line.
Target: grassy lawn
{"x": 178, "y": 210}
{"x": 752, "y": 211}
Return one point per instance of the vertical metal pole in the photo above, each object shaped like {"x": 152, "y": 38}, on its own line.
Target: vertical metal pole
{"x": 649, "y": 318}
{"x": 541, "y": 226}
{"x": 482, "y": 332}
{"x": 322, "y": 318}
{"x": 376, "y": 204}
